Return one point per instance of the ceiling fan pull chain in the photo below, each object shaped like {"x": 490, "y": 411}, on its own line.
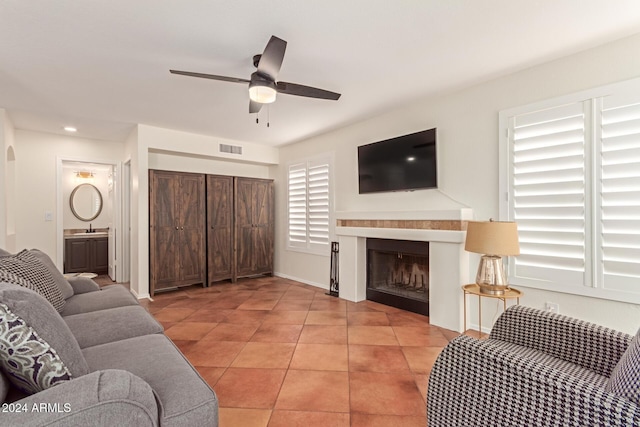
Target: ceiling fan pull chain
{"x": 268, "y": 111}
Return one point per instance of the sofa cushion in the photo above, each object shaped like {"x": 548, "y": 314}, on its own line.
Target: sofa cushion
{"x": 4, "y": 253}
{"x": 184, "y": 397}
{"x": 37, "y": 349}
{"x": 82, "y": 285}
{"x": 107, "y": 297}
{"x": 30, "y": 268}
{"x": 625, "y": 378}
{"x": 58, "y": 278}
{"x": 113, "y": 324}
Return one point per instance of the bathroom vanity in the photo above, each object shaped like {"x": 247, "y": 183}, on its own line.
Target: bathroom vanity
{"x": 86, "y": 253}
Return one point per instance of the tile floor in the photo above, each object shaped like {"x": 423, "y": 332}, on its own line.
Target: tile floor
{"x": 281, "y": 353}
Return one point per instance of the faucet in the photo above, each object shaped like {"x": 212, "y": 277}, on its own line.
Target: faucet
{"x": 90, "y": 230}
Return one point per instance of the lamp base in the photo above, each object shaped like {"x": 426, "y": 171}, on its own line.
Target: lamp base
{"x": 493, "y": 289}
{"x": 491, "y": 277}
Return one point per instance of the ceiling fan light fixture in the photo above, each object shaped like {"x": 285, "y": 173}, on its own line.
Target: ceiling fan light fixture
{"x": 262, "y": 92}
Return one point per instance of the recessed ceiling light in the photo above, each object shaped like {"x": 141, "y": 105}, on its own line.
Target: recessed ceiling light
{"x": 411, "y": 159}
{"x": 70, "y": 129}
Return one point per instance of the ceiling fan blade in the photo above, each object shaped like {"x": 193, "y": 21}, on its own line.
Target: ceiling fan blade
{"x": 271, "y": 60}
{"x": 210, "y": 76}
{"x": 254, "y": 107}
{"x": 308, "y": 91}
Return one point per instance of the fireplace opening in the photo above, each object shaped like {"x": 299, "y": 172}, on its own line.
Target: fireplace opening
{"x": 398, "y": 274}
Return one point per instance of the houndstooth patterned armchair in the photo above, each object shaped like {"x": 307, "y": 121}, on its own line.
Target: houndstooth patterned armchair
{"x": 537, "y": 369}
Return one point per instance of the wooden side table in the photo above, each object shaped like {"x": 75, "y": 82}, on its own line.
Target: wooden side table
{"x": 474, "y": 289}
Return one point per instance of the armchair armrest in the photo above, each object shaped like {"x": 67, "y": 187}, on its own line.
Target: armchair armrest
{"x": 102, "y": 398}
{"x": 588, "y": 345}
{"x": 482, "y": 383}
{"x": 82, "y": 285}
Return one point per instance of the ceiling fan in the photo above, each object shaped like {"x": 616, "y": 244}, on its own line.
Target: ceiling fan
{"x": 263, "y": 85}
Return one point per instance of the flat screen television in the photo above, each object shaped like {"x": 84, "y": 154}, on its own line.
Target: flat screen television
{"x": 403, "y": 163}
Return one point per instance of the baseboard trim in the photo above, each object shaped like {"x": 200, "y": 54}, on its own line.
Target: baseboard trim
{"x": 143, "y": 296}
{"x": 298, "y": 279}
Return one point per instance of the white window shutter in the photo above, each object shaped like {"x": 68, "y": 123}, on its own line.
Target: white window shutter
{"x": 549, "y": 195}
{"x": 619, "y": 187}
{"x": 318, "y": 203}
{"x": 309, "y": 206}
{"x": 297, "y": 188}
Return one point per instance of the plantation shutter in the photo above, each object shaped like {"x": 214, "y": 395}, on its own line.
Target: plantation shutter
{"x": 619, "y": 187}
{"x": 309, "y": 205}
{"x": 318, "y": 203}
{"x": 297, "y": 186}
{"x": 548, "y": 195}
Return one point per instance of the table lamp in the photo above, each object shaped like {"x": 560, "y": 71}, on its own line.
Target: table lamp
{"x": 493, "y": 239}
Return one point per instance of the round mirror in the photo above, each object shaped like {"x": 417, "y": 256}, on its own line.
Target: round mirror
{"x": 86, "y": 202}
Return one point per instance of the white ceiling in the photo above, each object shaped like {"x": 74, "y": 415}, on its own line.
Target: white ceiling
{"x": 104, "y": 65}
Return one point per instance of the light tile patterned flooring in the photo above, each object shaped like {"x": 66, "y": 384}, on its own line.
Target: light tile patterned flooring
{"x": 281, "y": 353}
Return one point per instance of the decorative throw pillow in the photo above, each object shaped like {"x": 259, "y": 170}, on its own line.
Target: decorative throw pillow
{"x": 58, "y": 278}
{"x": 30, "y": 268}
{"x": 14, "y": 279}
{"x": 625, "y": 377}
{"x": 37, "y": 348}
{"x": 32, "y": 364}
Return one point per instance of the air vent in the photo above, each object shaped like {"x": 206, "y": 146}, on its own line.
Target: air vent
{"x": 233, "y": 149}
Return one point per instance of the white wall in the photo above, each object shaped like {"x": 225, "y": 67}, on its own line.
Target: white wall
{"x": 37, "y": 157}
{"x": 138, "y": 158}
{"x": 7, "y": 183}
{"x": 181, "y": 163}
{"x": 467, "y": 123}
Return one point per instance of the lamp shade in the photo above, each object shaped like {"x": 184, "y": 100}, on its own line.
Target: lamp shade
{"x": 492, "y": 238}
{"x": 262, "y": 91}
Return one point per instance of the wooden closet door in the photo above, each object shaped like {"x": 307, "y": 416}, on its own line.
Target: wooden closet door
{"x": 219, "y": 227}
{"x": 192, "y": 244}
{"x": 263, "y": 219}
{"x": 163, "y": 233}
{"x": 254, "y": 226}
{"x": 244, "y": 226}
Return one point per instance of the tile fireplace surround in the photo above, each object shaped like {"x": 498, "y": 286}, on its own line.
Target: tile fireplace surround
{"x": 449, "y": 263}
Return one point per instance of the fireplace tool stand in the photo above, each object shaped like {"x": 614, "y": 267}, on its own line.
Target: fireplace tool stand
{"x": 333, "y": 280}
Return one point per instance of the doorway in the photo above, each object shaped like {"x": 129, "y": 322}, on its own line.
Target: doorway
{"x": 76, "y": 177}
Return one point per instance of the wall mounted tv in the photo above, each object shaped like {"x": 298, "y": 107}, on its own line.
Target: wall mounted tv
{"x": 404, "y": 163}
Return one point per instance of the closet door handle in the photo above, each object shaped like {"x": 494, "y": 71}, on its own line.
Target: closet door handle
{"x": 176, "y": 228}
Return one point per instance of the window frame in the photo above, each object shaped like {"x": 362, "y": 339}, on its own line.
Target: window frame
{"x": 593, "y": 100}
{"x": 308, "y": 246}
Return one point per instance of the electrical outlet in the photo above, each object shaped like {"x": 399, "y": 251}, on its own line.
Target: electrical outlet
{"x": 552, "y": 307}
{"x": 48, "y": 216}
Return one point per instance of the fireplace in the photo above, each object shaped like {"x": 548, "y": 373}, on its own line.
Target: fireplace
{"x": 398, "y": 274}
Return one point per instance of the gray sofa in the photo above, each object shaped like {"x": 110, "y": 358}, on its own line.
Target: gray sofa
{"x": 537, "y": 369}
{"x": 100, "y": 358}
